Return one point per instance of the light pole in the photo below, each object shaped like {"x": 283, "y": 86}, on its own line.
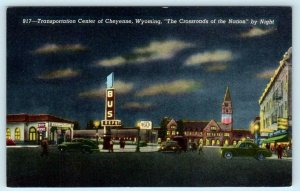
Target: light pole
{"x": 256, "y": 129}
{"x": 96, "y": 125}
{"x": 138, "y": 139}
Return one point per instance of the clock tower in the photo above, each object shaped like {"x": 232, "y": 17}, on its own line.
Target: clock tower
{"x": 227, "y": 120}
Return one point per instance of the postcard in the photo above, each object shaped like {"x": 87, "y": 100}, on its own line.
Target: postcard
{"x": 149, "y": 96}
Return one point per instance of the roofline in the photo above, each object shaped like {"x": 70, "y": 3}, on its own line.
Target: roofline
{"x": 282, "y": 63}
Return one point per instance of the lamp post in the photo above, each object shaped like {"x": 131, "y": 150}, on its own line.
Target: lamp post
{"x": 96, "y": 125}
{"x": 138, "y": 139}
{"x": 256, "y": 129}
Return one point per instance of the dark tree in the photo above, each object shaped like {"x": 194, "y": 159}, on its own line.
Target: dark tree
{"x": 162, "y": 132}
{"x": 180, "y": 128}
{"x": 90, "y": 125}
{"x": 76, "y": 125}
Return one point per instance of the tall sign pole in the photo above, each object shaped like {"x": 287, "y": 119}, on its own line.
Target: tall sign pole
{"x": 109, "y": 118}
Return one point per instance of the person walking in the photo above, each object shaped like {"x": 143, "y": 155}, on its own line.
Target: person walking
{"x": 122, "y": 145}
{"x": 44, "y": 145}
{"x": 200, "y": 148}
{"x": 111, "y": 146}
{"x": 279, "y": 151}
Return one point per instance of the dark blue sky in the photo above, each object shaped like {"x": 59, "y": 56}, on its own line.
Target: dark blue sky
{"x": 176, "y": 70}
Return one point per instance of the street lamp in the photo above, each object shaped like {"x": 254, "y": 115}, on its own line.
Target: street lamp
{"x": 256, "y": 129}
{"x": 138, "y": 138}
{"x": 96, "y": 125}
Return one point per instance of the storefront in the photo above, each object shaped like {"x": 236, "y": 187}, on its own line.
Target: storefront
{"x": 278, "y": 137}
{"x": 32, "y": 129}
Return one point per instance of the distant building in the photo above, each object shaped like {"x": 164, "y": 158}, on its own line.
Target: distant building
{"x": 31, "y": 129}
{"x": 276, "y": 104}
{"x": 210, "y": 133}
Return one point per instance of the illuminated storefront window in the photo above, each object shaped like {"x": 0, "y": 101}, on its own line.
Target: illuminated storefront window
{"x": 226, "y": 134}
{"x": 173, "y": 132}
{"x": 32, "y": 134}
{"x": 218, "y": 142}
{"x": 7, "y": 133}
{"x": 168, "y": 132}
{"x": 226, "y": 142}
{"x": 17, "y": 134}
{"x": 207, "y": 142}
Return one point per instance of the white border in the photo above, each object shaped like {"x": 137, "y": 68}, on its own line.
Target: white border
{"x": 296, "y": 79}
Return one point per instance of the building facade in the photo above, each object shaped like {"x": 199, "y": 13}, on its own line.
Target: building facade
{"x": 276, "y": 104}
{"x": 31, "y": 129}
{"x": 210, "y": 133}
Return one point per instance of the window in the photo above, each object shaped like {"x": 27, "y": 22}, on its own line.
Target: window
{"x": 32, "y": 134}
{"x": 173, "y": 127}
{"x": 208, "y": 134}
{"x": 226, "y": 134}
{"x": 17, "y": 134}
{"x": 173, "y": 132}
{"x": 7, "y": 133}
{"x": 213, "y": 128}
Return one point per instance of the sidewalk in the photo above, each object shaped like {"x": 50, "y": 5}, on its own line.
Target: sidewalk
{"x": 274, "y": 157}
{"x": 132, "y": 148}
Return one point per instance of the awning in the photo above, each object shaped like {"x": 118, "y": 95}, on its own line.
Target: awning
{"x": 280, "y": 138}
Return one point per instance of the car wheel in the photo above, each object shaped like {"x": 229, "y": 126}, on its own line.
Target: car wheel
{"x": 228, "y": 155}
{"x": 260, "y": 156}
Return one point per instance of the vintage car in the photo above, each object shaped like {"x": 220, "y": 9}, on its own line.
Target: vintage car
{"x": 79, "y": 144}
{"x": 10, "y": 142}
{"x": 169, "y": 146}
{"x": 245, "y": 149}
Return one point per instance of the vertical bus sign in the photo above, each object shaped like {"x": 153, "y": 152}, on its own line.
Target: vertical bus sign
{"x": 110, "y": 104}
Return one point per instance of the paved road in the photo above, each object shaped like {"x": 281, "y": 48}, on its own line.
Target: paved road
{"x": 25, "y": 167}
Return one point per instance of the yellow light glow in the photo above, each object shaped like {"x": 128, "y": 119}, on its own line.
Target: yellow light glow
{"x": 96, "y": 123}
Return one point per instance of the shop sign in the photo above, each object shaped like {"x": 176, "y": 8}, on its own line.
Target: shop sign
{"x": 61, "y": 125}
{"x": 41, "y": 127}
{"x": 145, "y": 124}
{"x": 111, "y": 122}
{"x": 279, "y": 132}
{"x": 110, "y": 104}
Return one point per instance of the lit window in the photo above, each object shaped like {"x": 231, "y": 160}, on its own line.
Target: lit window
{"x": 32, "y": 134}
{"x": 7, "y": 133}
{"x": 17, "y": 134}
{"x": 173, "y": 132}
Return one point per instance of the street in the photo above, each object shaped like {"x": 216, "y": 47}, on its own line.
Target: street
{"x": 26, "y": 168}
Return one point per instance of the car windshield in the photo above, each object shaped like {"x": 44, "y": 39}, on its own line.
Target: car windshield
{"x": 246, "y": 145}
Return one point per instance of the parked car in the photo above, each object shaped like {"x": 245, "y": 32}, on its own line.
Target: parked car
{"x": 182, "y": 142}
{"x": 245, "y": 149}
{"x": 169, "y": 146}
{"x": 79, "y": 144}
{"x": 10, "y": 142}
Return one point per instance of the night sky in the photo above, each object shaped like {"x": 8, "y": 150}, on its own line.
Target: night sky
{"x": 176, "y": 70}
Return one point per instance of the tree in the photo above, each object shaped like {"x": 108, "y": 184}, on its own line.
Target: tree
{"x": 162, "y": 132}
{"x": 76, "y": 125}
{"x": 180, "y": 127}
{"x": 90, "y": 125}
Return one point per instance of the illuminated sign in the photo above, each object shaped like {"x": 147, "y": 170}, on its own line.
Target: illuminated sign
{"x": 41, "y": 127}
{"x": 111, "y": 122}
{"x": 110, "y": 104}
{"x": 145, "y": 125}
{"x": 65, "y": 125}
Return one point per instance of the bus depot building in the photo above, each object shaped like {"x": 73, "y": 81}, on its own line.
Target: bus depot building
{"x": 33, "y": 128}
